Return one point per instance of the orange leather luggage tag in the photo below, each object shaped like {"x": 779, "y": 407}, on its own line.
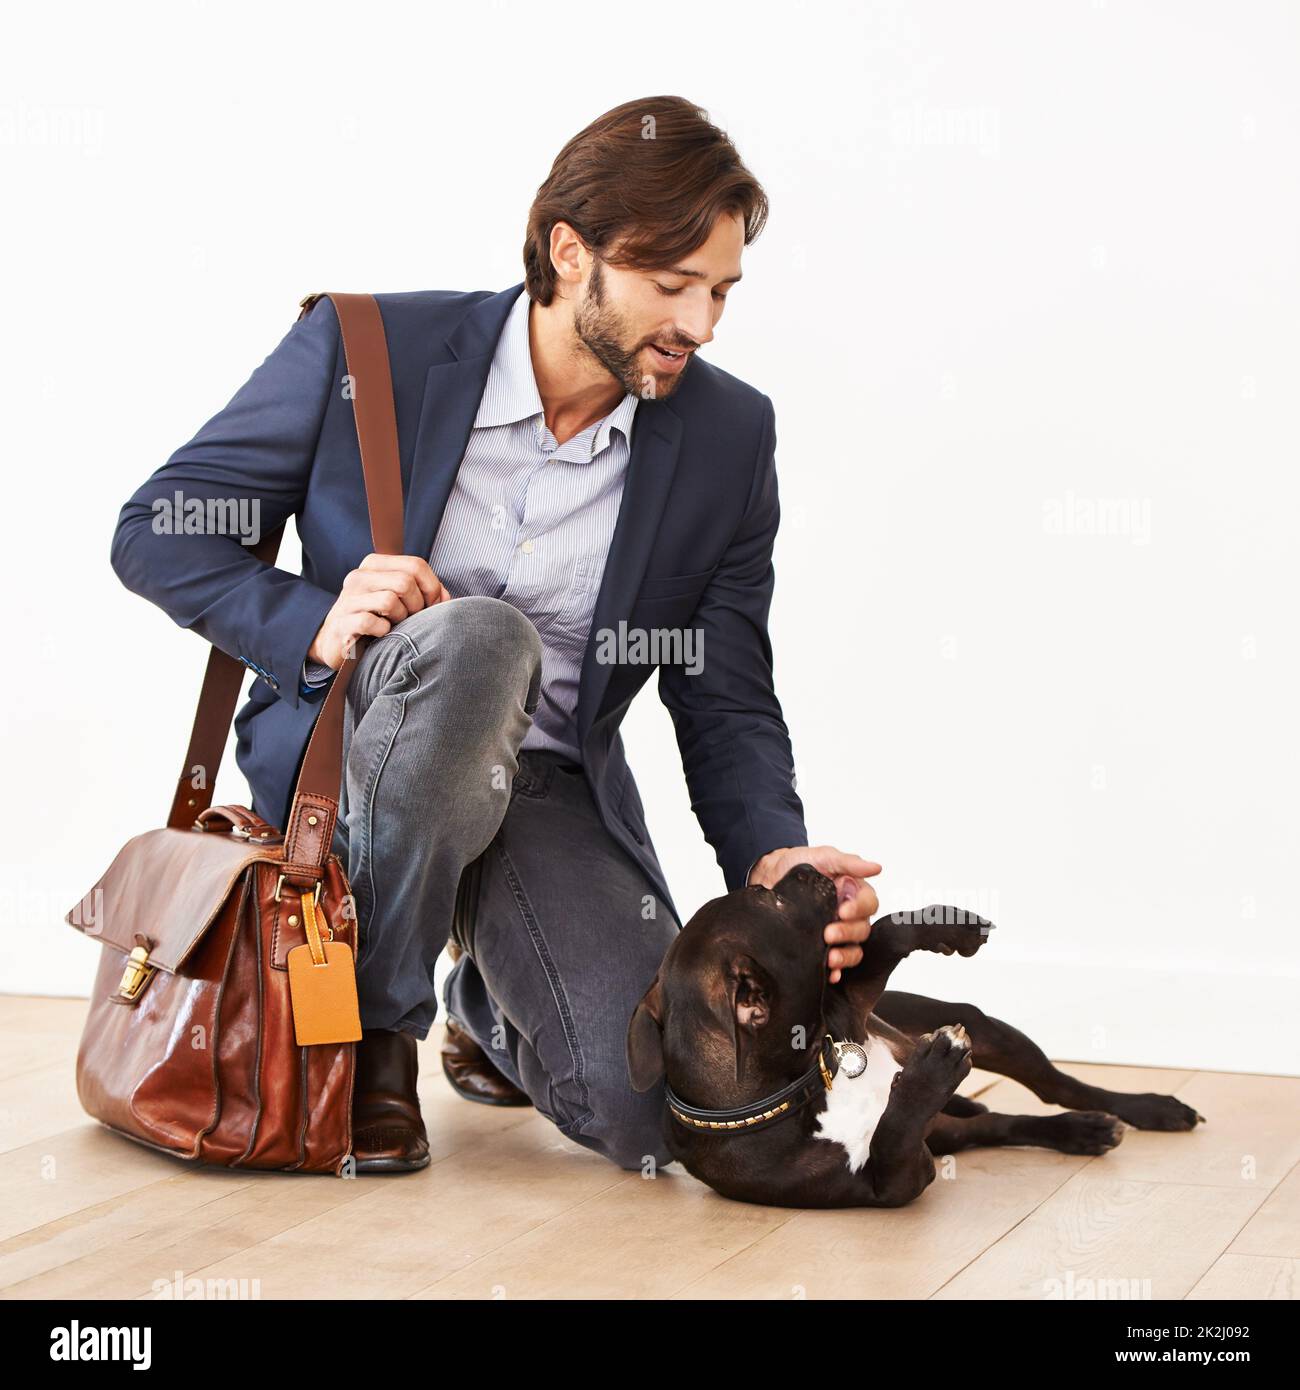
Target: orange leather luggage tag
{"x": 322, "y": 986}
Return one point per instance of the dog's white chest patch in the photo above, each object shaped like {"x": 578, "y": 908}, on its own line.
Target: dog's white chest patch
{"x": 855, "y": 1104}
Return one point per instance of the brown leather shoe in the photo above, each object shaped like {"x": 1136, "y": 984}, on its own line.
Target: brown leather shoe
{"x": 388, "y": 1134}
{"x": 466, "y": 1066}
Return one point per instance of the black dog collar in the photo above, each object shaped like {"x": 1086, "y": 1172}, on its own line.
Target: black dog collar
{"x": 779, "y": 1106}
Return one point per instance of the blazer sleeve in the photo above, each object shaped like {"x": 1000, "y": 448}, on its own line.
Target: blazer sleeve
{"x": 257, "y": 453}
{"x": 734, "y": 743}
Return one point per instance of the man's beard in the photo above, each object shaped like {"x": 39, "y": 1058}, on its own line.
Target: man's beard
{"x": 602, "y": 330}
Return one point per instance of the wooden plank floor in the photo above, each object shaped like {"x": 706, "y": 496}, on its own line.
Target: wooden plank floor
{"x": 510, "y": 1209}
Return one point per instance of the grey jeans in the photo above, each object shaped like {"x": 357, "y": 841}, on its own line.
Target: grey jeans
{"x": 567, "y": 934}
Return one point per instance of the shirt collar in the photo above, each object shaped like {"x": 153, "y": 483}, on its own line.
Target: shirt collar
{"x": 510, "y": 393}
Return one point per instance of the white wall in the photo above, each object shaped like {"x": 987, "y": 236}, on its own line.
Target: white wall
{"x": 1025, "y": 260}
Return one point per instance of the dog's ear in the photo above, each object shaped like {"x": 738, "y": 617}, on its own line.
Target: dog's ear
{"x": 645, "y": 1040}
{"x": 749, "y": 996}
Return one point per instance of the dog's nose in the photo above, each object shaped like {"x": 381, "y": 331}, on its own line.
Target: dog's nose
{"x": 806, "y": 878}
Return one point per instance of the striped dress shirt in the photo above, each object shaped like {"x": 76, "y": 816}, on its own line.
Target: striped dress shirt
{"x": 529, "y": 521}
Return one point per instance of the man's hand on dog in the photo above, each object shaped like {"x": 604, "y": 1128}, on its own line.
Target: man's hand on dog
{"x": 858, "y": 901}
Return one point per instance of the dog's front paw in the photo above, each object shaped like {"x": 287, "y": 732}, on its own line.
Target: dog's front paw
{"x": 939, "y": 1063}
{"x": 946, "y": 930}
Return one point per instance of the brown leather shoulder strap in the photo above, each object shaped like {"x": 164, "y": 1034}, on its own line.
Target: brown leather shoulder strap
{"x": 370, "y": 388}
{"x": 222, "y": 682}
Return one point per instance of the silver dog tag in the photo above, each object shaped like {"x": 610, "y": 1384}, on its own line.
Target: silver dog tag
{"x": 851, "y": 1057}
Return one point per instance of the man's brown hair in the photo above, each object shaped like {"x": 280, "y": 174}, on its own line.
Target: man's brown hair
{"x": 656, "y": 172}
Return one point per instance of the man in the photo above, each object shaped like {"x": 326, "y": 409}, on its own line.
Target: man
{"x": 585, "y": 502}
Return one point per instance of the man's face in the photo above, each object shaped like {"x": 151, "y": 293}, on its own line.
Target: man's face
{"x": 643, "y": 326}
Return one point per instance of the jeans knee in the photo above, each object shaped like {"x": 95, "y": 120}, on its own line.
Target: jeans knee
{"x": 479, "y": 642}
{"x": 628, "y": 1129}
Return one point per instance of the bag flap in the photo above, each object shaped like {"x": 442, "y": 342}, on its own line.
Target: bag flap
{"x": 166, "y": 885}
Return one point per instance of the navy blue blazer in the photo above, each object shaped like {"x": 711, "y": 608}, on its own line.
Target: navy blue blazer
{"x": 692, "y": 548}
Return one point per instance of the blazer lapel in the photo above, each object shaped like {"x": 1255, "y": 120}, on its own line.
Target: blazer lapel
{"x": 656, "y": 440}
{"x": 452, "y": 392}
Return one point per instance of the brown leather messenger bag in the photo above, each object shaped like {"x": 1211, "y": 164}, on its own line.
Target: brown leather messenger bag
{"x": 223, "y": 1021}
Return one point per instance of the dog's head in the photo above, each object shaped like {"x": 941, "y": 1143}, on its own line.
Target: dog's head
{"x": 741, "y": 986}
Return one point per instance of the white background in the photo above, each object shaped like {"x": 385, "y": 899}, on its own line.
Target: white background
{"x": 1024, "y": 260}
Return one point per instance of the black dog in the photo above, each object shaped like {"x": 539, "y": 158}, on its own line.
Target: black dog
{"x": 787, "y": 1090}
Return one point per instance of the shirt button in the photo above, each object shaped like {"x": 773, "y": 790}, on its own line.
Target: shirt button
{"x": 527, "y": 547}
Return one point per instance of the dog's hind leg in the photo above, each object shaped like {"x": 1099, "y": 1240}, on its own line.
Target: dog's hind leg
{"x": 997, "y": 1046}
{"x": 1075, "y": 1132}
{"x": 963, "y": 1107}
